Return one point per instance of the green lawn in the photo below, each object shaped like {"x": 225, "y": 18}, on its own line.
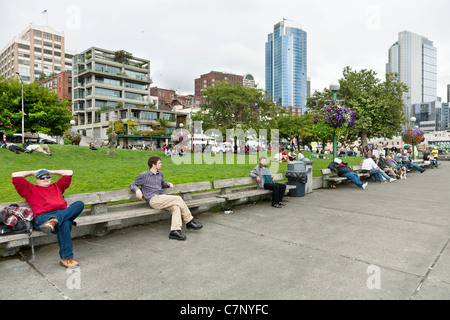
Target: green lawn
{"x": 94, "y": 171}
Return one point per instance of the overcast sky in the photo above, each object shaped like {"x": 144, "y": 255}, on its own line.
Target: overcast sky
{"x": 185, "y": 39}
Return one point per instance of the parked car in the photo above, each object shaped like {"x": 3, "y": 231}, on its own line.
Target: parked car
{"x": 46, "y": 141}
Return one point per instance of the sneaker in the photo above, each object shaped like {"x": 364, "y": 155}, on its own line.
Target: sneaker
{"x": 364, "y": 186}
{"x": 393, "y": 179}
{"x": 68, "y": 263}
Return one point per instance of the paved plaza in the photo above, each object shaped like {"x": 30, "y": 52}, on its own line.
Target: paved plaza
{"x": 389, "y": 242}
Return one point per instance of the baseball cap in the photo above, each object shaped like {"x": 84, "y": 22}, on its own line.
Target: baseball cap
{"x": 338, "y": 161}
{"x": 42, "y": 173}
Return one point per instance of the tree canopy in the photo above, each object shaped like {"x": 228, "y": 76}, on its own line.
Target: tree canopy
{"x": 229, "y": 105}
{"x": 299, "y": 127}
{"x": 44, "y": 111}
{"x": 377, "y": 104}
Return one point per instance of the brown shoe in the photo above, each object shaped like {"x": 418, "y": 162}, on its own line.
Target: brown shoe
{"x": 68, "y": 263}
{"x": 49, "y": 226}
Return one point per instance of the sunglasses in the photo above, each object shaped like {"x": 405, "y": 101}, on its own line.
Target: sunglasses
{"x": 44, "y": 177}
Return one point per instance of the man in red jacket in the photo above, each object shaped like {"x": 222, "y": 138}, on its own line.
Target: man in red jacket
{"x": 50, "y": 210}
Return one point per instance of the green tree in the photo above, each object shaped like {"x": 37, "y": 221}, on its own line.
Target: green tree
{"x": 229, "y": 105}
{"x": 44, "y": 112}
{"x": 377, "y": 104}
{"x": 299, "y": 127}
{"x": 122, "y": 56}
{"x": 119, "y": 127}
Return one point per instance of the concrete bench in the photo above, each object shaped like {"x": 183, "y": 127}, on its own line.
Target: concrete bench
{"x": 235, "y": 189}
{"x": 329, "y": 177}
{"x": 107, "y": 210}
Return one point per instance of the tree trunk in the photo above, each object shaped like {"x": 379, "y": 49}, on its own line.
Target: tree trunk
{"x": 364, "y": 140}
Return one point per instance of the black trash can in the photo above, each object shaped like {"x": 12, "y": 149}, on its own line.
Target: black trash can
{"x": 297, "y": 176}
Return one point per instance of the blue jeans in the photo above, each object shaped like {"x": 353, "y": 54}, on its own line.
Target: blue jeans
{"x": 385, "y": 175}
{"x": 415, "y": 166}
{"x": 377, "y": 174}
{"x": 63, "y": 228}
{"x": 353, "y": 177}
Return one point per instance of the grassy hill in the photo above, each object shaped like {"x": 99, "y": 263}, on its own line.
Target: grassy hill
{"x": 94, "y": 171}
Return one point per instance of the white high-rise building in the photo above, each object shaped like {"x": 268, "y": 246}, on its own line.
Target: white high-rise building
{"x": 38, "y": 49}
{"x": 414, "y": 58}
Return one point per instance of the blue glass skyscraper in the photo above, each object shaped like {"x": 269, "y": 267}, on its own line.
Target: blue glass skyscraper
{"x": 286, "y": 65}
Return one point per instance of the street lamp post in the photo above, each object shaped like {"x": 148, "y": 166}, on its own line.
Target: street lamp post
{"x": 334, "y": 88}
{"x": 151, "y": 139}
{"x": 413, "y": 121}
{"x": 23, "y": 113}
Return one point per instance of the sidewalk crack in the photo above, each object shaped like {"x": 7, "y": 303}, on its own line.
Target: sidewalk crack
{"x": 430, "y": 268}
{"x": 60, "y": 292}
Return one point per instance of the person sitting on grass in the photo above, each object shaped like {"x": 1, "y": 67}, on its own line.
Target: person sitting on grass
{"x": 313, "y": 155}
{"x": 282, "y": 156}
{"x": 264, "y": 178}
{"x": 343, "y": 170}
{"x": 292, "y": 155}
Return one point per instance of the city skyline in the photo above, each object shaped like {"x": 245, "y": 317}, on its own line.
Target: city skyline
{"x": 186, "y": 39}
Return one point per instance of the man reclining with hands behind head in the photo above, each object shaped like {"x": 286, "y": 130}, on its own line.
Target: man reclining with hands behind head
{"x": 50, "y": 210}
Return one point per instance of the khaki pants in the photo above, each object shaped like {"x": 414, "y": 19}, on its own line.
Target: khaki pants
{"x": 176, "y": 206}
{"x": 111, "y": 146}
{"x": 45, "y": 148}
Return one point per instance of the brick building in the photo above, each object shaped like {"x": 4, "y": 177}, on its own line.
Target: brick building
{"x": 208, "y": 80}
{"x": 61, "y": 83}
{"x": 168, "y": 98}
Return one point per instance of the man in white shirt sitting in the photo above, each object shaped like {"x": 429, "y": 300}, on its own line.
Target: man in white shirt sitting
{"x": 370, "y": 166}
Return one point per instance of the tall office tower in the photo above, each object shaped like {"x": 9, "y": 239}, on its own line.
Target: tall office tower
{"x": 414, "y": 59}
{"x": 286, "y": 68}
{"x": 38, "y": 49}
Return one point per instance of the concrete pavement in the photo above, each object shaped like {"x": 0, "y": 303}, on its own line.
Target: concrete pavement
{"x": 390, "y": 241}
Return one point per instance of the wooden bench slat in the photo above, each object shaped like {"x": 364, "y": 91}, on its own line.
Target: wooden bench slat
{"x": 20, "y": 236}
{"x": 137, "y": 212}
{"x": 234, "y": 182}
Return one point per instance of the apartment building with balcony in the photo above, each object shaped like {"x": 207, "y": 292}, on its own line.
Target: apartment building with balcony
{"x": 107, "y": 89}
{"x": 37, "y": 50}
